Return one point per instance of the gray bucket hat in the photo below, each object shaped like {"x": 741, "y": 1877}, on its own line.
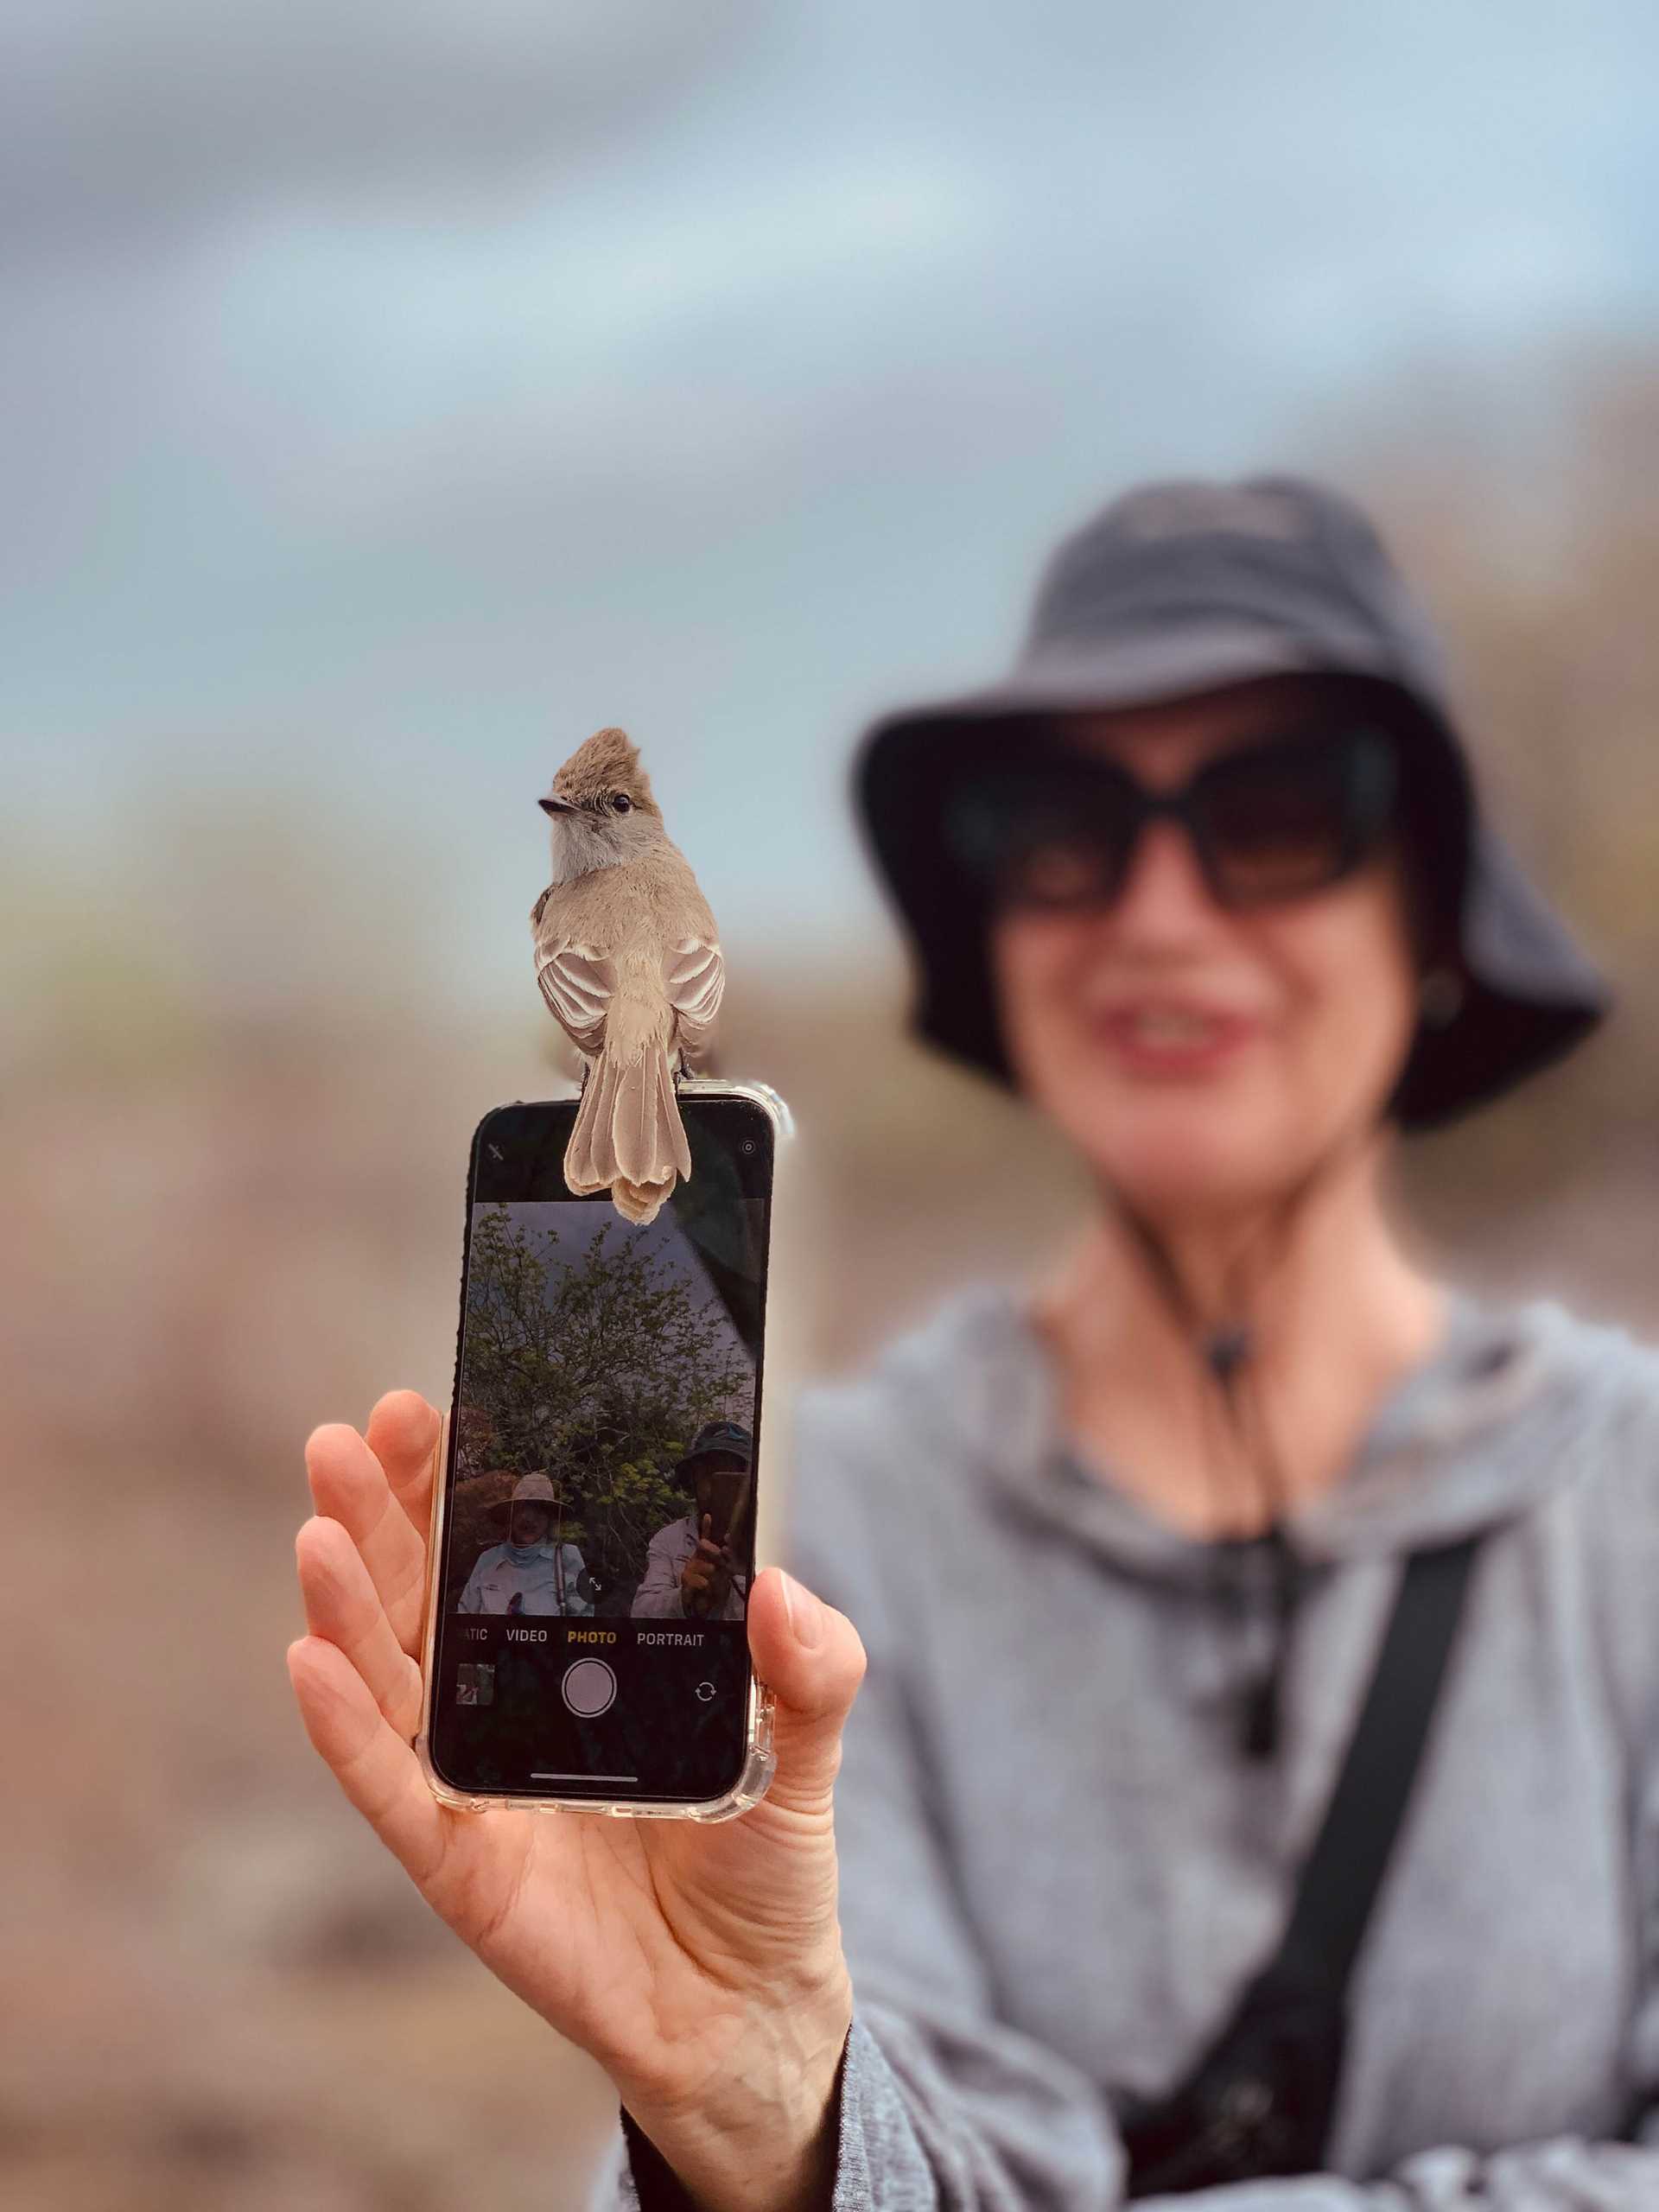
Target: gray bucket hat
{"x": 1180, "y": 587}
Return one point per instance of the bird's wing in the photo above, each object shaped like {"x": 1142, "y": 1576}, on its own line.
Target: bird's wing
{"x": 694, "y": 975}
{"x": 577, "y": 983}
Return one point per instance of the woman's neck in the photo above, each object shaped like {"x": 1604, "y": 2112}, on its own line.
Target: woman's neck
{"x": 1337, "y": 1312}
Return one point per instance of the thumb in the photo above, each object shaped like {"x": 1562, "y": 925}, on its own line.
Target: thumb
{"x": 811, "y": 1658}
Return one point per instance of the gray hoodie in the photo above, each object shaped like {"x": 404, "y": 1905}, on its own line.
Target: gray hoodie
{"x": 1058, "y": 1869}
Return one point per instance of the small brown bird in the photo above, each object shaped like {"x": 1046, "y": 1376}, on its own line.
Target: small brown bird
{"x": 627, "y": 958}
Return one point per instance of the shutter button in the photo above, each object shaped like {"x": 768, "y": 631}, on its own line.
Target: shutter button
{"x": 589, "y": 1689}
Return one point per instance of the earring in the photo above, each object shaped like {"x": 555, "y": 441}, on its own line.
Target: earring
{"x": 1440, "y": 998}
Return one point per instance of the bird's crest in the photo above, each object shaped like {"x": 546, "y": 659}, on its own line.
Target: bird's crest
{"x": 608, "y": 762}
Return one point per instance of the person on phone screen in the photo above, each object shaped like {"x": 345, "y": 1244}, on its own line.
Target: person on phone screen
{"x": 694, "y": 1567}
{"x": 1207, "y": 882}
{"x": 533, "y": 1570}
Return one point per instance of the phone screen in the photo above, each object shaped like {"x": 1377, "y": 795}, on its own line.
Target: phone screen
{"x": 598, "y": 1525}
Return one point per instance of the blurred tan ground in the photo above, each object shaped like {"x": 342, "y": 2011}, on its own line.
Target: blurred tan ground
{"x": 218, "y": 1993}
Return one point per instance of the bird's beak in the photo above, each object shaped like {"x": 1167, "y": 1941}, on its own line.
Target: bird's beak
{"x": 552, "y": 806}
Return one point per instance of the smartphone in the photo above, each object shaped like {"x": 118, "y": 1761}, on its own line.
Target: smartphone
{"x": 593, "y": 1536}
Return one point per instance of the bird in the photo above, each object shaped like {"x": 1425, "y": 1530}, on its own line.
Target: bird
{"x": 628, "y": 960}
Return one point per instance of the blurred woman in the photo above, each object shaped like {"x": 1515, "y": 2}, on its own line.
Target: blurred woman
{"x": 1207, "y": 880}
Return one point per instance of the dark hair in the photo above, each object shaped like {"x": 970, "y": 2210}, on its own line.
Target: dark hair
{"x": 1430, "y": 831}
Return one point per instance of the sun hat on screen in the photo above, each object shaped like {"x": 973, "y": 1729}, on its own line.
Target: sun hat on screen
{"x": 1179, "y": 587}
{"x": 529, "y": 1489}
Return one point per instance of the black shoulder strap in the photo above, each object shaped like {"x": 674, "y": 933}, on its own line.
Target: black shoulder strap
{"x": 1343, "y": 1871}
{"x": 1261, "y": 2100}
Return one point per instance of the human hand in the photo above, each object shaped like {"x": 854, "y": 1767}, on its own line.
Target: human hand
{"x": 699, "y": 1964}
{"x": 707, "y": 1575}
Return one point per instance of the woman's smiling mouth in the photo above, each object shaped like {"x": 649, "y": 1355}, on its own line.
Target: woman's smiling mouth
{"x": 1172, "y": 1036}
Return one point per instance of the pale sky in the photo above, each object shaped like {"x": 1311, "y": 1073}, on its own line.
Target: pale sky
{"x": 390, "y": 395}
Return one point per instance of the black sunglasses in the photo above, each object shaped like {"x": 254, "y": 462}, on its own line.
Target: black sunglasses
{"x": 1277, "y": 819}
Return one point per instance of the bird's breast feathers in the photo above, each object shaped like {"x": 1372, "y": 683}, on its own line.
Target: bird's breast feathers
{"x": 645, "y": 929}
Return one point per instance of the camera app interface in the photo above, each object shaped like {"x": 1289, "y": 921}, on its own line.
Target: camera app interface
{"x": 600, "y": 1535}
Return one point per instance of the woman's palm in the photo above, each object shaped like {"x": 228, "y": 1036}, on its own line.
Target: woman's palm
{"x": 645, "y": 1940}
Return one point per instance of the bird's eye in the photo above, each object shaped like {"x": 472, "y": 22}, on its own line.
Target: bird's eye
{"x": 621, "y": 803}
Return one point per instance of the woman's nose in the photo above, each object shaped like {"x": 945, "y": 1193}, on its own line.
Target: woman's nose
{"x": 1164, "y": 888}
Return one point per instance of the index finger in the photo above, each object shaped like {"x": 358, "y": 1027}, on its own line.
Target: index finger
{"x": 348, "y": 1484}
{"x": 404, "y": 1433}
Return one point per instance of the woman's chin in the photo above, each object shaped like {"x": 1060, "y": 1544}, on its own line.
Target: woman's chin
{"x": 1176, "y": 1159}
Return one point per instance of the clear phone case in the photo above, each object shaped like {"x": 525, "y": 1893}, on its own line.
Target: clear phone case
{"x": 759, "y": 1762}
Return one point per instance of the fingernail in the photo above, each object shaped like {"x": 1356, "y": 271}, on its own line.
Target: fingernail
{"x": 806, "y": 1614}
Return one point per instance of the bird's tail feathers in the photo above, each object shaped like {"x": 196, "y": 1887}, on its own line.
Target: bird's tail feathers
{"x": 628, "y": 1136}
{"x": 640, "y": 1202}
